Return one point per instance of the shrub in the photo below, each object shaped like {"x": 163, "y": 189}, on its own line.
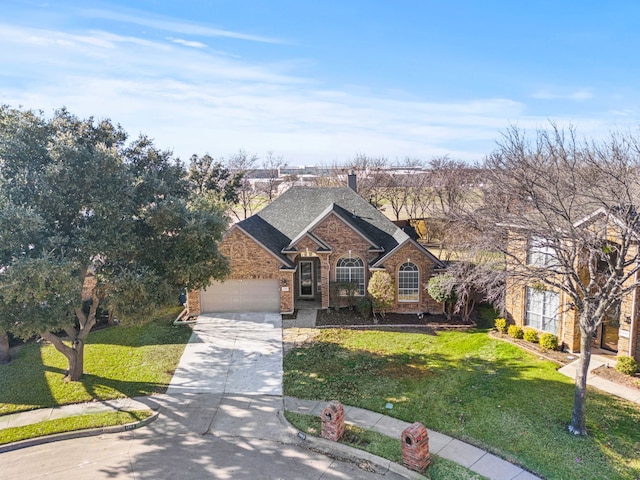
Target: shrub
{"x": 627, "y": 365}
{"x": 382, "y": 292}
{"x": 363, "y": 305}
{"x": 530, "y": 335}
{"x": 548, "y": 341}
{"x": 514, "y": 331}
{"x": 501, "y": 324}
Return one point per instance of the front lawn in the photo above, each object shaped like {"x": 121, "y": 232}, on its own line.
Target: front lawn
{"x": 68, "y": 424}
{"x": 121, "y": 361}
{"x": 475, "y": 388}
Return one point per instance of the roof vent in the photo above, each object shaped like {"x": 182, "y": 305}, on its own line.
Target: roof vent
{"x": 351, "y": 181}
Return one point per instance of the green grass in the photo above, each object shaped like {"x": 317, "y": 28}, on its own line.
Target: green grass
{"x": 68, "y": 424}
{"x": 472, "y": 387}
{"x": 122, "y": 361}
{"x": 383, "y": 446}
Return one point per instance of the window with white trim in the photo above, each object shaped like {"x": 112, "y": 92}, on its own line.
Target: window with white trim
{"x": 351, "y": 270}
{"x": 408, "y": 283}
{"x": 542, "y": 310}
{"x": 541, "y": 252}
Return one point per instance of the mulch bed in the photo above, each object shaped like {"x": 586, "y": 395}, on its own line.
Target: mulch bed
{"x": 561, "y": 358}
{"x": 346, "y": 317}
{"x": 613, "y": 375}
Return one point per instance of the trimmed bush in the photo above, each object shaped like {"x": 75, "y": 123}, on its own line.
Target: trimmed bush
{"x": 501, "y": 324}
{"x": 514, "y": 331}
{"x": 627, "y": 365}
{"x": 530, "y": 335}
{"x": 548, "y": 341}
{"x": 363, "y": 306}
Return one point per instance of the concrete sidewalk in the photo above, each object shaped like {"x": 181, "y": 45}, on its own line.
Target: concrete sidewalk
{"x": 468, "y": 456}
{"x": 631, "y": 394}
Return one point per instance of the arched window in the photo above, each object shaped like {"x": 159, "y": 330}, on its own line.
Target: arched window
{"x": 408, "y": 283}
{"x": 351, "y": 270}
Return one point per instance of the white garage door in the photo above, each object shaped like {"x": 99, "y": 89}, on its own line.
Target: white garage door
{"x": 241, "y": 296}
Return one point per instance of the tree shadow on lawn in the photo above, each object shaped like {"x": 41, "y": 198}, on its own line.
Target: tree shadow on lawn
{"x": 498, "y": 399}
{"x": 153, "y": 333}
{"x": 47, "y": 382}
{"x": 23, "y": 383}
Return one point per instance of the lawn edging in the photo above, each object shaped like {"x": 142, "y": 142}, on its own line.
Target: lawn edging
{"x": 523, "y": 346}
{"x": 348, "y": 454}
{"x": 437, "y": 327}
{"x": 90, "y": 432}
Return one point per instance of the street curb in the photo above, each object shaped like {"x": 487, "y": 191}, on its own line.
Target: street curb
{"x": 90, "y": 432}
{"x": 345, "y": 452}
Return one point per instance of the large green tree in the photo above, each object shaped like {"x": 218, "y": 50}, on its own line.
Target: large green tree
{"x": 89, "y": 220}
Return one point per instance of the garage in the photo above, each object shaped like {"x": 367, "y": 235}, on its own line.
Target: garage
{"x": 241, "y": 296}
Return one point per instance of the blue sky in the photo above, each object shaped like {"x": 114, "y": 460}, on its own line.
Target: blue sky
{"x": 320, "y": 81}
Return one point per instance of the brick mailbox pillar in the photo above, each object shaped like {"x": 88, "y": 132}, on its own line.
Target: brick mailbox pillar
{"x": 415, "y": 447}
{"x": 332, "y": 421}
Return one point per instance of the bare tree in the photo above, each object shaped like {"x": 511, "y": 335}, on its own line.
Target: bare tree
{"x": 476, "y": 280}
{"x": 570, "y": 204}
{"x": 369, "y": 171}
{"x": 272, "y": 165}
{"x": 242, "y": 164}
{"x": 420, "y": 200}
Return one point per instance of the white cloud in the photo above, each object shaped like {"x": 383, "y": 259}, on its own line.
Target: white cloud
{"x": 197, "y": 100}
{"x": 551, "y": 94}
{"x": 187, "y": 43}
{"x": 171, "y": 25}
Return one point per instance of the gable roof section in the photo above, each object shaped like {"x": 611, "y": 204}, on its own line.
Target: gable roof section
{"x": 292, "y": 215}
{"x": 266, "y": 236}
{"x": 342, "y": 215}
{"x": 438, "y": 264}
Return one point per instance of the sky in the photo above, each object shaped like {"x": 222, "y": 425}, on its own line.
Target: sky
{"x": 322, "y": 81}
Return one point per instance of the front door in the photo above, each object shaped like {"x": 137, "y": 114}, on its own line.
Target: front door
{"x": 610, "y": 337}
{"x": 306, "y": 278}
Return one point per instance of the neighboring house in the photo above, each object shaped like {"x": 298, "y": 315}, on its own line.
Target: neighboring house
{"x": 307, "y": 244}
{"x": 551, "y": 311}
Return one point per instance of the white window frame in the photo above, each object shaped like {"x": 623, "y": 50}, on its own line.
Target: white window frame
{"x": 351, "y": 270}
{"x": 409, "y": 283}
{"x": 540, "y": 252}
{"x": 541, "y": 310}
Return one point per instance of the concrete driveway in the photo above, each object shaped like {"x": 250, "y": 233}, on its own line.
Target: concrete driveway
{"x": 232, "y": 353}
{"x": 221, "y": 418}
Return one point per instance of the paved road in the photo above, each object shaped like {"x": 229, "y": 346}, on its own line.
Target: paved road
{"x": 208, "y": 428}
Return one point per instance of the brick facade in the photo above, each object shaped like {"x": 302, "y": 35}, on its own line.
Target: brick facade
{"x": 411, "y": 253}
{"x": 568, "y": 325}
{"x": 325, "y": 244}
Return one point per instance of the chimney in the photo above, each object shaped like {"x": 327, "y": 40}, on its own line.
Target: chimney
{"x": 351, "y": 181}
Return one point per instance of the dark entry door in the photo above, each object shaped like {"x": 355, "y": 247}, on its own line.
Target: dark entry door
{"x": 610, "y": 337}
{"x": 306, "y": 278}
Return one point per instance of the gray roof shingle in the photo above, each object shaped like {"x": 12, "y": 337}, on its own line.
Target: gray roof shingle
{"x": 292, "y": 214}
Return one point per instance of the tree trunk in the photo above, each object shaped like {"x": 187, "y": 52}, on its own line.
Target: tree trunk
{"x": 5, "y": 355}
{"x": 73, "y": 353}
{"x": 578, "y": 419}
{"x": 76, "y": 362}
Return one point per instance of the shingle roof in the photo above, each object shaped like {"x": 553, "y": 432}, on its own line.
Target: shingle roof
{"x": 295, "y": 212}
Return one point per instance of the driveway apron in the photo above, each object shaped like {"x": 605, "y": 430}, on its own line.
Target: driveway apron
{"x": 232, "y": 353}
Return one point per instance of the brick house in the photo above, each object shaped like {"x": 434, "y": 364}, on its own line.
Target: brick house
{"x": 307, "y": 242}
{"x": 546, "y": 310}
